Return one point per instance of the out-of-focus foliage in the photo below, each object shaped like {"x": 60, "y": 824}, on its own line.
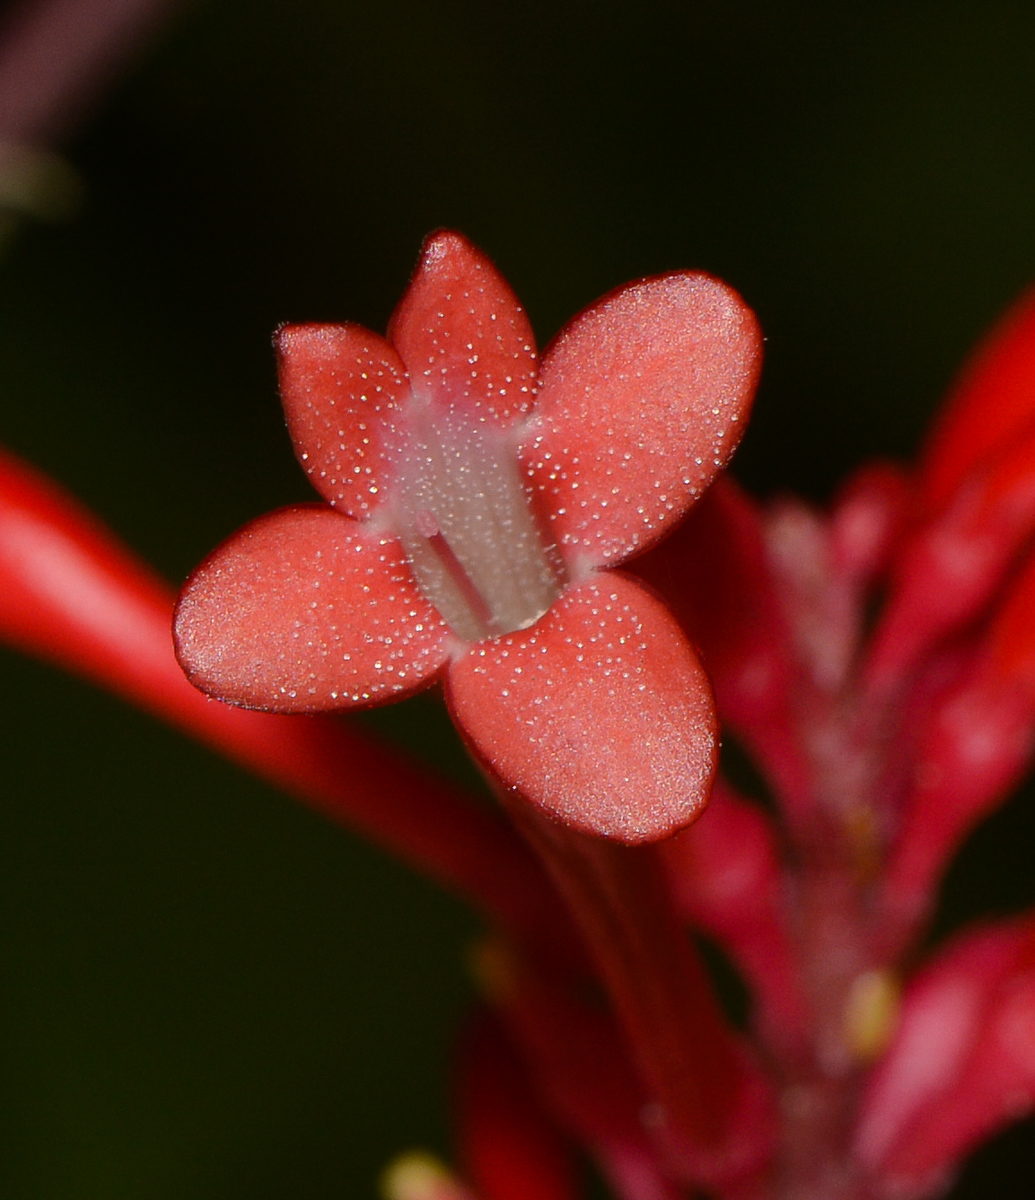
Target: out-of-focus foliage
{"x": 205, "y": 991}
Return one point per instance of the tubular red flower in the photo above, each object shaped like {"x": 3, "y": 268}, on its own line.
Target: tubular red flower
{"x": 962, "y": 1064}
{"x": 576, "y": 1056}
{"x": 973, "y": 747}
{"x": 993, "y": 402}
{"x": 713, "y": 1105}
{"x": 954, "y": 563}
{"x": 477, "y": 499}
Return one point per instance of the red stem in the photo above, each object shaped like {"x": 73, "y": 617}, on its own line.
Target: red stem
{"x": 579, "y": 1059}
{"x": 510, "y": 1148}
{"x": 712, "y": 1111}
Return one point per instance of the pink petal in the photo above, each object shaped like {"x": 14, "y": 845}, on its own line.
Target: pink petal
{"x": 302, "y": 611}
{"x": 642, "y": 401}
{"x": 463, "y": 335}
{"x": 600, "y": 714}
{"x": 341, "y": 385}
{"x": 867, "y": 522}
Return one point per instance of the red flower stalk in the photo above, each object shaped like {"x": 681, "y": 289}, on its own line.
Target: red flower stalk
{"x": 468, "y": 532}
{"x": 475, "y": 505}
{"x": 509, "y": 1146}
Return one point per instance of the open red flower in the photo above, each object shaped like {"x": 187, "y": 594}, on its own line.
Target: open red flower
{"x": 475, "y": 497}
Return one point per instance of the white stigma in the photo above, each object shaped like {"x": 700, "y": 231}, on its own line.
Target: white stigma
{"x": 463, "y": 514}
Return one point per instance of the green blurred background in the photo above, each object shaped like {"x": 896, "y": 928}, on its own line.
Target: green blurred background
{"x": 205, "y": 991}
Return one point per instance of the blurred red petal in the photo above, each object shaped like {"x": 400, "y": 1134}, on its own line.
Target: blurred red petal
{"x": 973, "y": 747}
{"x": 992, "y": 401}
{"x": 727, "y": 880}
{"x": 976, "y": 744}
{"x": 867, "y": 521}
{"x": 341, "y": 385}
{"x": 600, "y": 715}
{"x": 951, "y": 568}
{"x": 715, "y": 576}
{"x": 961, "y": 1066}
{"x": 462, "y": 334}
{"x": 643, "y": 399}
{"x": 304, "y": 610}
{"x": 1012, "y": 634}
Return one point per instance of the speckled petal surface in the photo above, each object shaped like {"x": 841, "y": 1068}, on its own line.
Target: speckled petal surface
{"x": 600, "y": 714}
{"x": 341, "y": 386}
{"x": 642, "y": 400}
{"x": 303, "y": 611}
{"x": 463, "y": 335}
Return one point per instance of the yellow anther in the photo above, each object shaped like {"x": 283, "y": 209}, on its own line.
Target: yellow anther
{"x": 418, "y": 1175}
{"x": 494, "y": 969}
{"x": 871, "y": 1013}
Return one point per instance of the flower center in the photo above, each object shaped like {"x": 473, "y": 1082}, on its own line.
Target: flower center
{"x": 464, "y": 516}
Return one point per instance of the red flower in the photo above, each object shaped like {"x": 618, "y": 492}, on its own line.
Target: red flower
{"x": 475, "y": 499}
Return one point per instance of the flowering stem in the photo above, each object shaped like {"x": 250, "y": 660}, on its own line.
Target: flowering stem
{"x": 709, "y": 1112}
{"x": 510, "y": 1148}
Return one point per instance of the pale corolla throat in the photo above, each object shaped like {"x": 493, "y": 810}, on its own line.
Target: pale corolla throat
{"x": 462, "y": 511}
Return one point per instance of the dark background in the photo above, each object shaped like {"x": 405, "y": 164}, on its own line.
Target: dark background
{"x": 205, "y": 991}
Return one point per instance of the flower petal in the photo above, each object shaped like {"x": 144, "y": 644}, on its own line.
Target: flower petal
{"x": 992, "y": 401}
{"x": 726, "y": 876}
{"x": 972, "y": 745}
{"x": 642, "y": 400}
{"x": 962, "y": 1064}
{"x": 463, "y": 335}
{"x": 341, "y": 385}
{"x": 600, "y": 714}
{"x": 954, "y": 564}
{"x": 303, "y": 611}
{"x": 716, "y": 576}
